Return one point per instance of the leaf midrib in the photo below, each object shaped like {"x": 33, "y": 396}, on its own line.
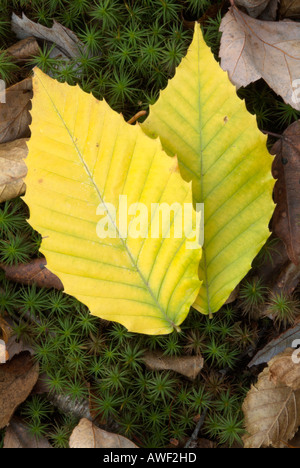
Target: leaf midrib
{"x": 204, "y": 259}
{"x": 147, "y": 286}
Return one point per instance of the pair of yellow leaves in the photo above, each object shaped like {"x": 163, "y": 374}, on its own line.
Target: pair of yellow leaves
{"x": 83, "y": 155}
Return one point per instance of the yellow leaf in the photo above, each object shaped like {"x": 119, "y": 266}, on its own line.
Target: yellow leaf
{"x": 200, "y": 119}
{"x": 82, "y": 155}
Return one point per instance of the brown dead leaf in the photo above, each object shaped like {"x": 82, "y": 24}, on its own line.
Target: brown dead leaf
{"x": 24, "y": 49}
{"x": 286, "y": 169}
{"x": 14, "y": 114}
{"x": 86, "y": 435}
{"x": 17, "y": 378}
{"x": 290, "y": 9}
{"x": 276, "y": 346}
{"x": 34, "y": 272}
{"x": 13, "y": 169}
{"x": 252, "y": 49}
{"x": 17, "y": 436}
{"x": 189, "y": 366}
{"x": 284, "y": 370}
{"x": 272, "y": 412}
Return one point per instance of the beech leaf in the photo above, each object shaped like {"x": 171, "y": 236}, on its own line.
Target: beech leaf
{"x": 88, "y": 436}
{"x": 283, "y": 369}
{"x": 200, "y": 119}
{"x": 82, "y": 156}
{"x": 272, "y": 409}
{"x": 252, "y": 49}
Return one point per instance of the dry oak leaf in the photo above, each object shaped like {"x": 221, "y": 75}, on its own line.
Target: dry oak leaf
{"x": 14, "y": 113}
{"x": 286, "y": 169}
{"x": 13, "y": 169}
{"x": 283, "y": 369}
{"x": 86, "y": 435}
{"x": 189, "y": 366}
{"x": 272, "y": 412}
{"x": 252, "y": 49}
{"x": 17, "y": 379}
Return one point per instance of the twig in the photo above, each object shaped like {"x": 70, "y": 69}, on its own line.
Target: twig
{"x": 195, "y": 434}
{"x": 79, "y": 409}
{"x": 136, "y": 117}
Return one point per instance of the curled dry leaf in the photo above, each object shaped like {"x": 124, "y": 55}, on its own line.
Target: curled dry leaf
{"x": 284, "y": 370}
{"x": 285, "y": 340}
{"x": 24, "y": 49}
{"x": 286, "y": 169}
{"x": 189, "y": 366}
{"x": 17, "y": 436}
{"x": 13, "y": 169}
{"x": 14, "y": 113}
{"x": 87, "y": 435}
{"x": 252, "y": 49}
{"x": 63, "y": 37}
{"x": 34, "y": 272}
{"x": 17, "y": 379}
{"x": 272, "y": 412}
